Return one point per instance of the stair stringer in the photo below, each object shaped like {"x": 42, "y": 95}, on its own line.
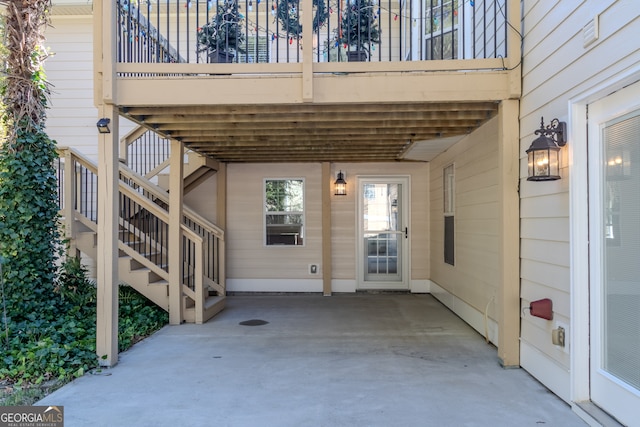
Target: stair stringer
{"x": 133, "y": 269}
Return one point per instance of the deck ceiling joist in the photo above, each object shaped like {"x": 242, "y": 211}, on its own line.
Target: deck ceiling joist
{"x": 312, "y": 132}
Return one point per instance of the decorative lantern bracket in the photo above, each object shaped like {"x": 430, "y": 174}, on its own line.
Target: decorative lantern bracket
{"x": 555, "y": 130}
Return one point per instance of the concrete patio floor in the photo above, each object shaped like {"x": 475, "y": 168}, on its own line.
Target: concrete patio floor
{"x": 345, "y": 360}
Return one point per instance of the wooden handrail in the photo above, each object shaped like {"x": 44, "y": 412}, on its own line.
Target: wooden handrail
{"x": 133, "y": 135}
{"x": 162, "y": 195}
{"x": 84, "y": 161}
{"x": 148, "y": 186}
{"x": 129, "y": 186}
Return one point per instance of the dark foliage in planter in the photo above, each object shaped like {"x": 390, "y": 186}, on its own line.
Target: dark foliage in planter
{"x": 360, "y": 25}
{"x": 224, "y": 32}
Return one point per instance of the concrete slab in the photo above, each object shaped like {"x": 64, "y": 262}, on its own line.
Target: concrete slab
{"x": 345, "y": 360}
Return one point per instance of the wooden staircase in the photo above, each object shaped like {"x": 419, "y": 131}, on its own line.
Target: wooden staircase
{"x": 142, "y": 242}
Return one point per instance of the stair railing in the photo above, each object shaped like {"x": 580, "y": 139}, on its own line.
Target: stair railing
{"x": 144, "y": 224}
{"x": 211, "y": 235}
{"x": 147, "y": 153}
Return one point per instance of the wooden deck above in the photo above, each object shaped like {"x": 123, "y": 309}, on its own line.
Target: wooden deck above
{"x": 311, "y": 132}
{"x": 300, "y": 107}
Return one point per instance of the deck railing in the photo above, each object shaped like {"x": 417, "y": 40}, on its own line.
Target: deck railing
{"x": 270, "y": 31}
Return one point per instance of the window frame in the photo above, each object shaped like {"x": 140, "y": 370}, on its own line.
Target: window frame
{"x": 448, "y": 208}
{"x": 266, "y": 213}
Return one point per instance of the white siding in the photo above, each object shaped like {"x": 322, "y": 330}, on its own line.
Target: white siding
{"x": 474, "y": 279}
{"x": 72, "y": 117}
{"x": 557, "y": 67}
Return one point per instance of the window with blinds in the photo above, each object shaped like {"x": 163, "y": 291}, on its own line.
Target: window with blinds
{"x": 257, "y": 50}
{"x": 448, "y": 195}
{"x": 621, "y": 232}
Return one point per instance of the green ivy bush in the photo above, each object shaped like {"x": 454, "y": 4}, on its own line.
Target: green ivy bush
{"x": 48, "y": 312}
{"x": 61, "y": 345}
{"x": 138, "y": 318}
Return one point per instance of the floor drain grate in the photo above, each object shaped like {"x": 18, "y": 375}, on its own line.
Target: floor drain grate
{"x": 254, "y": 322}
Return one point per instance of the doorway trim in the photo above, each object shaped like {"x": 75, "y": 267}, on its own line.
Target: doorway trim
{"x": 579, "y": 332}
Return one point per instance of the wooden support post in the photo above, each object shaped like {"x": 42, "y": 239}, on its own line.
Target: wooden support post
{"x": 514, "y": 46}
{"x": 176, "y": 191}
{"x": 221, "y": 220}
{"x": 221, "y": 203}
{"x": 69, "y": 192}
{"x": 326, "y": 228}
{"x": 98, "y": 48}
{"x": 107, "y": 54}
{"x": 307, "y": 53}
{"x": 508, "y": 178}
{"x": 107, "y": 250}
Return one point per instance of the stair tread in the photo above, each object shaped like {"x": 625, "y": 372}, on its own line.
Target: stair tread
{"x": 211, "y": 301}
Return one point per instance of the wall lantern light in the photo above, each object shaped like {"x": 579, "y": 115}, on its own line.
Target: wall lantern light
{"x": 341, "y": 185}
{"x": 544, "y": 152}
{"x": 103, "y": 125}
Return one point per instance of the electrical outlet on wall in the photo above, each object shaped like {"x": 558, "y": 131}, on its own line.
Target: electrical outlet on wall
{"x": 560, "y": 335}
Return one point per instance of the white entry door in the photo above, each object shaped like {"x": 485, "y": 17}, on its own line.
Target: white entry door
{"x": 614, "y": 234}
{"x": 383, "y": 233}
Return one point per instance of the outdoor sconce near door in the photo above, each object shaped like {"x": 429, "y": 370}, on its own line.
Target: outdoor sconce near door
{"x": 103, "y": 125}
{"x": 544, "y": 152}
{"x": 341, "y": 185}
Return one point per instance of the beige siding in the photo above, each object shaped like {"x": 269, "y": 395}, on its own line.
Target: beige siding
{"x": 344, "y": 219}
{"x": 557, "y": 67}
{"x": 247, "y": 255}
{"x": 475, "y": 277}
{"x": 249, "y": 260}
{"x": 203, "y": 199}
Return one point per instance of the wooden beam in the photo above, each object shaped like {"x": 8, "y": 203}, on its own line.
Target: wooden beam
{"x": 303, "y": 158}
{"x": 328, "y": 89}
{"x": 231, "y": 141}
{"x": 365, "y": 130}
{"x": 356, "y": 122}
{"x": 244, "y": 71}
{"x": 318, "y": 116}
{"x": 279, "y": 109}
{"x": 284, "y": 140}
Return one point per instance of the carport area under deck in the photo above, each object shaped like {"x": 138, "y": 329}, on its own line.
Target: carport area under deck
{"x": 345, "y": 360}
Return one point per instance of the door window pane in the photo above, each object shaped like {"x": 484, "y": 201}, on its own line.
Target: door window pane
{"x": 383, "y": 229}
{"x": 621, "y": 232}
